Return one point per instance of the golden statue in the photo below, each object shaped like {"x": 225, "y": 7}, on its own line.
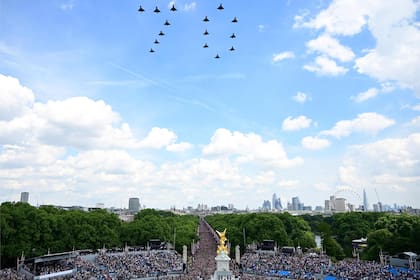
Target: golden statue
{"x": 222, "y": 242}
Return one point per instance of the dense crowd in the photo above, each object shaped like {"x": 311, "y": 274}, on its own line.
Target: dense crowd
{"x": 310, "y": 266}
{"x": 110, "y": 266}
{"x": 154, "y": 263}
{"x": 11, "y": 274}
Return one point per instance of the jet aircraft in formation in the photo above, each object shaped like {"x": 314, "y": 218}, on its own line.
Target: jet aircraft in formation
{"x": 205, "y": 33}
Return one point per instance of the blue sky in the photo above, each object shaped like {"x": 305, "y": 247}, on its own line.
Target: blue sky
{"x": 319, "y": 97}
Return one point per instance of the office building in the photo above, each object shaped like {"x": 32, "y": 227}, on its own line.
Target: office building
{"x": 24, "y": 197}
{"x": 340, "y": 204}
{"x": 296, "y": 205}
{"x": 276, "y": 202}
{"x": 134, "y": 204}
{"x": 266, "y": 205}
{"x": 365, "y": 201}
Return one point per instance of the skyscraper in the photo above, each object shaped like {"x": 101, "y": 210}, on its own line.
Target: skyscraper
{"x": 365, "y": 201}
{"x": 273, "y": 201}
{"x": 134, "y": 204}
{"x": 24, "y": 197}
{"x": 276, "y": 202}
{"x": 266, "y": 205}
{"x": 296, "y": 205}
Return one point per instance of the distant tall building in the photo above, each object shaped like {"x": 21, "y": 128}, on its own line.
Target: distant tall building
{"x": 327, "y": 205}
{"x": 266, "y": 205}
{"x": 332, "y": 203}
{"x": 276, "y": 202}
{"x": 24, "y": 197}
{"x": 340, "y": 204}
{"x": 377, "y": 207}
{"x": 273, "y": 201}
{"x": 296, "y": 205}
{"x": 365, "y": 201}
{"x": 134, "y": 204}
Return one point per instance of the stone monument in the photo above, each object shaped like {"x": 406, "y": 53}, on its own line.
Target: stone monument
{"x": 222, "y": 260}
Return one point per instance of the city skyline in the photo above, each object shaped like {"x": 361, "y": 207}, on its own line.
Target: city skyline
{"x": 353, "y": 203}
{"x": 316, "y": 98}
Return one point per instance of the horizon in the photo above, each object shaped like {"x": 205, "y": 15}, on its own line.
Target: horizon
{"x": 315, "y": 99}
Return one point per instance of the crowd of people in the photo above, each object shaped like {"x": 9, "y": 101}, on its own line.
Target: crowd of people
{"x": 168, "y": 264}
{"x": 313, "y": 266}
{"x": 153, "y": 263}
{"x": 108, "y": 266}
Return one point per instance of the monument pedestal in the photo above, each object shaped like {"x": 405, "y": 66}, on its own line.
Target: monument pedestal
{"x": 222, "y": 271}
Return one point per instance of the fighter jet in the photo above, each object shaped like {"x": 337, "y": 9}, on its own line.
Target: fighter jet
{"x": 233, "y": 36}
{"x": 220, "y": 7}
{"x": 167, "y": 23}
{"x": 161, "y": 33}
{"x": 152, "y": 50}
{"x": 141, "y": 9}
{"x": 173, "y": 9}
{"x": 206, "y": 32}
{"x": 206, "y": 19}
{"x": 217, "y": 56}
{"x": 156, "y": 41}
{"x": 156, "y": 10}
{"x": 205, "y": 46}
{"x": 234, "y": 20}
{"x": 232, "y": 49}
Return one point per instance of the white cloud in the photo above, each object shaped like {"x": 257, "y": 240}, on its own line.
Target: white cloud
{"x": 301, "y": 97}
{"x": 77, "y": 122}
{"x": 15, "y": 99}
{"x": 343, "y": 17}
{"x": 415, "y": 121}
{"x": 390, "y": 165}
{"x": 315, "y": 143}
{"x": 158, "y": 138}
{"x": 326, "y": 45}
{"x": 75, "y": 151}
{"x": 363, "y": 96}
{"x": 324, "y": 66}
{"x": 249, "y": 148}
{"x": 416, "y": 107}
{"x": 34, "y": 128}
{"x": 282, "y": 56}
{"x": 261, "y": 28}
{"x": 77, "y": 112}
{"x": 179, "y": 147}
{"x": 288, "y": 183}
{"x": 80, "y": 122}
{"x": 396, "y": 55}
{"x": 292, "y": 124}
{"x": 386, "y": 87}
{"x": 370, "y": 123}
{"x": 14, "y": 156}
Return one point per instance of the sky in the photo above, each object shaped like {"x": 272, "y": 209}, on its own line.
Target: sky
{"x": 318, "y": 98}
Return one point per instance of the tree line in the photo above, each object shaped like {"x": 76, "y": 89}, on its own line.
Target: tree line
{"x": 35, "y": 231}
{"x": 390, "y": 232}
